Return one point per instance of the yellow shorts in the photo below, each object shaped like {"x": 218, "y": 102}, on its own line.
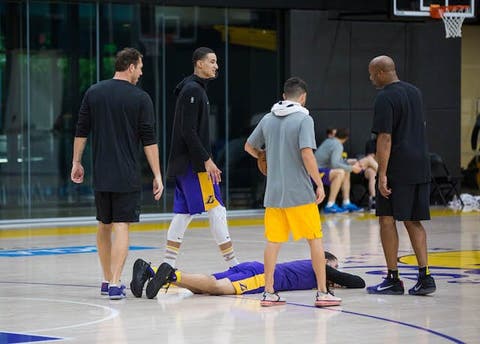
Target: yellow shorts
{"x": 303, "y": 221}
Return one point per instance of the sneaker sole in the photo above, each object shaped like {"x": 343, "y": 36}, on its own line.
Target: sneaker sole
{"x": 104, "y": 293}
{"x": 137, "y": 288}
{"x": 423, "y": 291}
{"x": 157, "y": 282}
{"x": 327, "y": 303}
{"x": 117, "y": 297}
{"x": 335, "y": 212}
{"x": 385, "y": 292}
{"x": 272, "y": 303}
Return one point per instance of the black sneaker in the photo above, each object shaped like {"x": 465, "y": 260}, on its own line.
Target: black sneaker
{"x": 142, "y": 272}
{"x": 165, "y": 274}
{"x": 389, "y": 286}
{"x": 424, "y": 286}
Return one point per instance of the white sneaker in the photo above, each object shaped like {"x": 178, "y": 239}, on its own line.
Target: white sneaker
{"x": 326, "y": 299}
{"x": 271, "y": 299}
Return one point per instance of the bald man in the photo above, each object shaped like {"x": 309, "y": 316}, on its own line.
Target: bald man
{"x": 403, "y": 177}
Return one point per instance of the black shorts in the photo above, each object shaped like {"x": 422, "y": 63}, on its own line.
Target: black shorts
{"x": 407, "y": 202}
{"x": 117, "y": 206}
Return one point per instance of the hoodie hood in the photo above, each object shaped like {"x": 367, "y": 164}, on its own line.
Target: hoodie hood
{"x": 287, "y": 107}
{"x": 190, "y": 78}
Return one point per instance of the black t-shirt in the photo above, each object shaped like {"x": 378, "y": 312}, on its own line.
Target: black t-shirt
{"x": 120, "y": 116}
{"x": 399, "y": 112}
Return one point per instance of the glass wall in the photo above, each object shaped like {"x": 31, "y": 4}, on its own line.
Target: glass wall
{"x": 51, "y": 52}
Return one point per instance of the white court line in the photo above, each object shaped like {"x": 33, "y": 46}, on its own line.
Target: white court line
{"x": 113, "y": 313}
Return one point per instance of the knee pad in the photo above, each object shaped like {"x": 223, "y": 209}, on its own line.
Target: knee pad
{"x": 178, "y": 226}
{"x": 218, "y": 224}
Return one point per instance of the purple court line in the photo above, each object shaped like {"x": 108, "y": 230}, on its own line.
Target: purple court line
{"x": 447, "y": 337}
{"x": 452, "y": 339}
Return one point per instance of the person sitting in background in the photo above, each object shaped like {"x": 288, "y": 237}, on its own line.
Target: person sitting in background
{"x": 331, "y": 163}
{"x": 244, "y": 278}
{"x": 369, "y": 169}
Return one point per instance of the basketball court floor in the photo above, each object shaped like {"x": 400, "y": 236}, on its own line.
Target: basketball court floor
{"x": 50, "y": 288}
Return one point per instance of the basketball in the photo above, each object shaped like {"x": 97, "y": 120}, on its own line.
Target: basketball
{"x": 262, "y": 162}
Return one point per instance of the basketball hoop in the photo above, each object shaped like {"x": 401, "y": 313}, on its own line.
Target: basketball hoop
{"x": 452, "y": 16}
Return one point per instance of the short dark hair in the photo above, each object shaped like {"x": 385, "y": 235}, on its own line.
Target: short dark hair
{"x": 342, "y": 133}
{"x": 125, "y": 58}
{"x": 330, "y": 131}
{"x": 200, "y": 53}
{"x": 329, "y": 256}
{"x": 294, "y": 87}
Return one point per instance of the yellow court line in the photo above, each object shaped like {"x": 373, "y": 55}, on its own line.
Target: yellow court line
{"x": 144, "y": 227}
{"x": 433, "y": 213}
{"x": 464, "y": 259}
{"x": 137, "y": 227}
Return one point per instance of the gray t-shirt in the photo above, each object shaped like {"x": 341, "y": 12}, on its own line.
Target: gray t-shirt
{"x": 288, "y": 183}
{"x": 329, "y": 155}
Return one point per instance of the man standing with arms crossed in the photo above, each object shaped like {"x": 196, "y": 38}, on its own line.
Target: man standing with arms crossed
{"x": 287, "y": 133}
{"x": 403, "y": 177}
{"x": 190, "y": 164}
{"x": 120, "y": 116}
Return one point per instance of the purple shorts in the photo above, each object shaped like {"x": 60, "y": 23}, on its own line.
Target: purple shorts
{"x": 195, "y": 193}
{"x": 246, "y": 278}
{"x": 325, "y": 172}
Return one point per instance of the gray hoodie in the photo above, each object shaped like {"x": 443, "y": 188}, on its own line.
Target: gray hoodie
{"x": 286, "y": 107}
{"x": 284, "y": 132}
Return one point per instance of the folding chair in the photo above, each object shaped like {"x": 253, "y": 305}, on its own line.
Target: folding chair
{"x": 443, "y": 184}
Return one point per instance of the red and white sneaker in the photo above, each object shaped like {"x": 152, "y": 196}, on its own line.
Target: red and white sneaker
{"x": 272, "y": 299}
{"x": 326, "y": 300}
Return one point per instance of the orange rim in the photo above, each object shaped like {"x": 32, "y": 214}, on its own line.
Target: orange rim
{"x": 437, "y": 11}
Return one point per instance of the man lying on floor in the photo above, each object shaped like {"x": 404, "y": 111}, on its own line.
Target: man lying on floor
{"x": 244, "y": 278}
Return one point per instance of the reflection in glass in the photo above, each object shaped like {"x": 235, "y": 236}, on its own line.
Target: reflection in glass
{"x": 49, "y": 57}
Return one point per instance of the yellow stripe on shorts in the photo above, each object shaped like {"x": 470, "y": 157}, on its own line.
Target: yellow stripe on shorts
{"x": 208, "y": 194}
{"x": 248, "y": 284}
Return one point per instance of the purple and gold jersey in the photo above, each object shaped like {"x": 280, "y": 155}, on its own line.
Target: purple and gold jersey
{"x": 296, "y": 275}
{"x": 249, "y": 278}
{"x": 195, "y": 193}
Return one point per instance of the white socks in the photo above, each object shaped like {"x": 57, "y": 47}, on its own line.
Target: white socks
{"x": 175, "y": 233}
{"x": 219, "y": 228}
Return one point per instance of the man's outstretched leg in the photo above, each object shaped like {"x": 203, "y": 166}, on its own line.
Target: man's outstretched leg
{"x": 196, "y": 283}
{"x": 204, "y": 284}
